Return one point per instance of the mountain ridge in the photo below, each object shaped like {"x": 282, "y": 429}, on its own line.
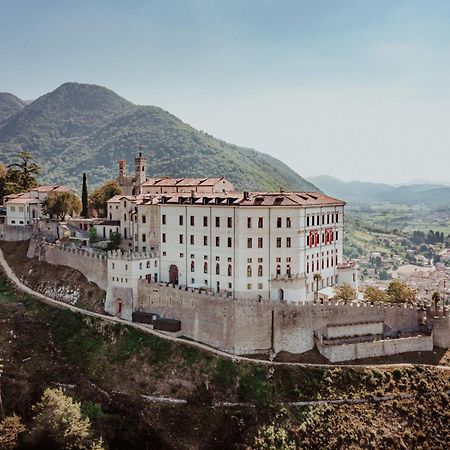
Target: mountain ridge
{"x": 430, "y": 194}
{"x": 86, "y": 128}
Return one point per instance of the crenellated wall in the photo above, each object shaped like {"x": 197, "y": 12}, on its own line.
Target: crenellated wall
{"x": 91, "y": 264}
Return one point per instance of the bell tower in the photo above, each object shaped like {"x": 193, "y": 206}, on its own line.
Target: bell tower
{"x": 140, "y": 164}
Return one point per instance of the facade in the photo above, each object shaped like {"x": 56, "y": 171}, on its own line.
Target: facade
{"x": 25, "y": 208}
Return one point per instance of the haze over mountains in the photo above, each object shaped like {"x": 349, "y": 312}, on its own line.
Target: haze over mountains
{"x": 364, "y": 192}
{"x": 86, "y": 128}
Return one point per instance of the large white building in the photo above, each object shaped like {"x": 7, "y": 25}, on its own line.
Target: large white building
{"x": 246, "y": 244}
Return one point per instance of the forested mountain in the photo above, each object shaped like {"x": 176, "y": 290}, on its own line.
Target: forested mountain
{"x": 433, "y": 195}
{"x": 9, "y": 106}
{"x": 86, "y": 128}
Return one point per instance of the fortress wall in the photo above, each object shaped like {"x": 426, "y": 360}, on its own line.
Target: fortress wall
{"x": 92, "y": 265}
{"x": 347, "y": 352}
{"x": 123, "y": 294}
{"x": 204, "y": 318}
{"x": 441, "y": 331}
{"x": 15, "y": 233}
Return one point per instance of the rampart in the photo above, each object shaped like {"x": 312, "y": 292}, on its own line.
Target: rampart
{"x": 249, "y": 326}
{"x": 92, "y": 265}
{"x": 15, "y": 233}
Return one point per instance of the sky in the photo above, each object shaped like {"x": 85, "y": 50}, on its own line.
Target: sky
{"x": 355, "y": 89}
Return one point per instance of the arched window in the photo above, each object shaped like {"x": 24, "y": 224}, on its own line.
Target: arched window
{"x": 192, "y": 266}
{"x": 249, "y": 271}
{"x": 260, "y": 271}
{"x": 140, "y": 265}
{"x": 217, "y": 269}
{"x": 113, "y": 265}
{"x": 205, "y": 267}
{"x": 126, "y": 266}
{"x": 288, "y": 270}
{"x": 148, "y": 264}
{"x": 229, "y": 270}
{"x": 278, "y": 269}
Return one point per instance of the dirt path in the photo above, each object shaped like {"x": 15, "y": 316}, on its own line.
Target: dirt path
{"x": 11, "y": 275}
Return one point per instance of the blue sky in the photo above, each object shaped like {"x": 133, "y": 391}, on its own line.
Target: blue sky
{"x": 354, "y": 89}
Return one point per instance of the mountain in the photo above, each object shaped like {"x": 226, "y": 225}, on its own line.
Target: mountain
{"x": 434, "y": 195}
{"x": 86, "y": 128}
{"x": 9, "y": 106}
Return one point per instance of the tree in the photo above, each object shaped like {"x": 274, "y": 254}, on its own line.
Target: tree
{"x": 84, "y": 198}
{"x": 399, "y": 292}
{"x": 25, "y": 171}
{"x": 100, "y": 196}
{"x": 373, "y": 294}
{"x": 93, "y": 237}
{"x": 58, "y": 417}
{"x": 60, "y": 204}
{"x": 345, "y": 292}
{"x": 435, "y": 297}
{"x": 115, "y": 240}
{"x": 10, "y": 429}
{"x": 317, "y": 278}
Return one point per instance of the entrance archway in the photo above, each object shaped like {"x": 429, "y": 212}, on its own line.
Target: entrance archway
{"x": 280, "y": 294}
{"x": 173, "y": 274}
{"x": 119, "y": 306}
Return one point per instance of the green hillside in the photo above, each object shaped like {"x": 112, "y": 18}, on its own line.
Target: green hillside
{"x": 9, "y": 106}
{"x": 86, "y": 128}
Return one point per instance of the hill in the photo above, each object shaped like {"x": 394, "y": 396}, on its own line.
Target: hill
{"x": 9, "y": 106}
{"x": 86, "y": 128}
{"x": 433, "y": 195}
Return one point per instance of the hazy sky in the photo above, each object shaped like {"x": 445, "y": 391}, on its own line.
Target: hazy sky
{"x": 354, "y": 89}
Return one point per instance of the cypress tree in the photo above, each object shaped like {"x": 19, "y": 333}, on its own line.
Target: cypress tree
{"x": 84, "y": 198}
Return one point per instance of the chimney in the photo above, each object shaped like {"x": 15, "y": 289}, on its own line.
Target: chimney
{"x": 246, "y": 195}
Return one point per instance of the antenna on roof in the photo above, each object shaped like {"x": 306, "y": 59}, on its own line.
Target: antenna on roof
{"x": 140, "y": 150}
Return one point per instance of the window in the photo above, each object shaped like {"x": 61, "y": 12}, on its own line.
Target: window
{"x": 288, "y": 271}
{"x": 307, "y": 267}
{"x": 328, "y": 219}
{"x": 113, "y": 265}
{"x": 229, "y": 270}
{"x": 144, "y": 219}
{"x": 192, "y": 266}
{"x": 249, "y": 222}
{"x": 260, "y": 222}
{"x": 163, "y": 219}
{"x": 125, "y": 217}
{"x": 205, "y": 240}
{"x": 260, "y": 260}
{"x": 217, "y": 222}
{"x": 126, "y": 266}
{"x": 260, "y": 271}
{"x": 217, "y": 269}
{"x": 164, "y": 237}
{"x": 260, "y": 285}
{"x": 249, "y": 260}
{"x": 229, "y": 222}
{"x": 140, "y": 265}
{"x": 312, "y": 221}
{"x": 288, "y": 242}
{"x": 205, "y": 267}
{"x": 337, "y": 217}
{"x": 337, "y": 236}
{"x": 260, "y": 242}
{"x": 205, "y": 221}
{"x": 181, "y": 255}
{"x": 148, "y": 264}
{"x": 192, "y": 256}
{"x": 192, "y": 222}
{"x": 217, "y": 241}
{"x": 144, "y": 237}
{"x": 217, "y": 258}
{"x": 181, "y": 238}
{"x": 230, "y": 242}
{"x": 278, "y": 270}
{"x": 230, "y": 285}
{"x": 278, "y": 242}
{"x": 20, "y": 208}
{"x": 323, "y": 219}
{"x": 13, "y": 209}
{"x": 192, "y": 239}
{"x": 288, "y": 222}
{"x": 307, "y": 240}
{"x": 249, "y": 243}
{"x": 278, "y": 222}
{"x": 307, "y": 221}
{"x": 249, "y": 271}
{"x": 181, "y": 220}
{"x": 249, "y": 286}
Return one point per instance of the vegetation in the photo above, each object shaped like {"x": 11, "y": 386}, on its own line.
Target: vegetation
{"x": 84, "y": 198}
{"x": 61, "y": 204}
{"x": 373, "y": 294}
{"x": 11, "y": 428}
{"x": 85, "y": 128}
{"x": 19, "y": 176}
{"x": 345, "y": 292}
{"x": 100, "y": 196}
{"x": 399, "y": 292}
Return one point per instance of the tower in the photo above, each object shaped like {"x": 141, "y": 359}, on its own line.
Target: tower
{"x": 140, "y": 164}
{"x": 122, "y": 171}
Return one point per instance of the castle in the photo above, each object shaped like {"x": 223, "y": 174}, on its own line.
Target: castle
{"x": 245, "y": 272}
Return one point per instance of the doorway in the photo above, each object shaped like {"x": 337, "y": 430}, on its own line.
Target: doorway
{"x": 173, "y": 274}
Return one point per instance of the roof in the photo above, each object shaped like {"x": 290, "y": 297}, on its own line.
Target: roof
{"x": 53, "y": 188}
{"x": 21, "y": 201}
{"x": 109, "y": 222}
{"x": 275, "y": 199}
{"x": 189, "y": 182}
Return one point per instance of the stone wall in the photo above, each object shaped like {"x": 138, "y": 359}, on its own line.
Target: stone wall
{"x": 360, "y": 350}
{"x": 91, "y": 264}
{"x": 15, "y": 233}
{"x": 441, "y": 329}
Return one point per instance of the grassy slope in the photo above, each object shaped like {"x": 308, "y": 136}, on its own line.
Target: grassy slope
{"x": 99, "y": 358}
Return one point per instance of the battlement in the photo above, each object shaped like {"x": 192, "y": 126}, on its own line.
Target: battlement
{"x": 130, "y": 256}
{"x": 86, "y": 252}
